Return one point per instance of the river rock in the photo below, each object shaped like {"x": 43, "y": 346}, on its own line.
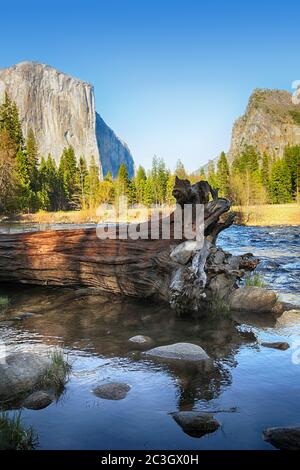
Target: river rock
{"x": 285, "y": 438}
{"x": 278, "y": 308}
{"x": 141, "y": 340}
{"x": 38, "y": 400}
{"x": 21, "y": 373}
{"x": 267, "y": 264}
{"x": 112, "y": 391}
{"x": 253, "y": 299}
{"x": 178, "y": 352}
{"x": 289, "y": 318}
{"x": 196, "y": 424}
{"x": 277, "y": 345}
{"x": 233, "y": 261}
{"x": 219, "y": 257}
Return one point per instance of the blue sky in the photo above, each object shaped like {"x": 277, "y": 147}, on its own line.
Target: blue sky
{"x": 170, "y": 77}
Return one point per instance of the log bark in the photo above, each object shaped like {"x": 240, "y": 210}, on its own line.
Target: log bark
{"x": 142, "y": 268}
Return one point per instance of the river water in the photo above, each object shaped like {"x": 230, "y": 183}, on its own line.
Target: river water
{"x": 249, "y": 388}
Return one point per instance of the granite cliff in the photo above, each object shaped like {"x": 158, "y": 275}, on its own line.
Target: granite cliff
{"x": 61, "y": 111}
{"x": 271, "y": 122}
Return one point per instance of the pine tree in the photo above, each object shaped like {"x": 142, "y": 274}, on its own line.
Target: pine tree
{"x": 280, "y": 184}
{"x": 140, "y": 181}
{"x": 25, "y": 199}
{"x": 44, "y": 186}
{"x": 148, "y": 196}
{"x": 246, "y": 182}
{"x": 83, "y": 173}
{"x": 180, "y": 170}
{"x": 9, "y": 120}
{"x": 50, "y": 193}
{"x": 70, "y": 180}
{"x": 108, "y": 176}
{"x": 170, "y": 200}
{"x": 161, "y": 181}
{"x": 132, "y": 192}
{"x": 32, "y": 159}
{"x": 223, "y": 175}
{"x": 292, "y": 159}
{"x": 122, "y": 183}
{"x": 92, "y": 183}
{"x": 247, "y": 161}
{"x": 211, "y": 174}
{"x": 7, "y": 171}
{"x": 265, "y": 170}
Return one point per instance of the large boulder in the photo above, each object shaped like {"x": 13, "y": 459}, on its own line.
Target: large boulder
{"x": 195, "y": 423}
{"x": 285, "y": 438}
{"x": 253, "y": 299}
{"x": 21, "y": 373}
{"x": 178, "y": 352}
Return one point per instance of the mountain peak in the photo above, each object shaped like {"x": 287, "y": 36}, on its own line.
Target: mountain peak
{"x": 271, "y": 121}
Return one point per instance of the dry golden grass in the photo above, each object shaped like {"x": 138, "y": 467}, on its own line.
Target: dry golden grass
{"x": 260, "y": 215}
{"x": 269, "y": 214}
{"x": 84, "y": 216}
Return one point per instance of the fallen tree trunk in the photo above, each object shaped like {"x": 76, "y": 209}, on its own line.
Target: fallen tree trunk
{"x": 178, "y": 271}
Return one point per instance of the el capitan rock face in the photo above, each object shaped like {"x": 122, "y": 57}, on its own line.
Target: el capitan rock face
{"x": 61, "y": 111}
{"x": 112, "y": 150}
{"x": 271, "y": 122}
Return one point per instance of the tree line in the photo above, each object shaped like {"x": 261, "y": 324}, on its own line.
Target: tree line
{"x": 29, "y": 183}
{"x": 253, "y": 178}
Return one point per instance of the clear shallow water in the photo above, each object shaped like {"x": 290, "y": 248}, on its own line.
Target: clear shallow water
{"x": 249, "y": 388}
{"x": 278, "y": 248}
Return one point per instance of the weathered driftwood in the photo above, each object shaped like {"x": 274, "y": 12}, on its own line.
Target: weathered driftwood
{"x": 186, "y": 276}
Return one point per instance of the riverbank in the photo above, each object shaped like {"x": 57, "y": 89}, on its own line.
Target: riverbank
{"x": 268, "y": 215}
{"x": 260, "y": 215}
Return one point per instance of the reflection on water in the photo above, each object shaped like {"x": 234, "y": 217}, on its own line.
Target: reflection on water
{"x": 248, "y": 388}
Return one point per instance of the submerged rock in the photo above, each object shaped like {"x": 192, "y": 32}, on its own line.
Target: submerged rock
{"x": 285, "y": 438}
{"x": 253, "y": 299}
{"x": 277, "y": 345}
{"x": 21, "y": 373}
{"x": 266, "y": 265}
{"x": 38, "y": 400}
{"x": 196, "y": 424}
{"x": 112, "y": 391}
{"x": 179, "y": 352}
{"x": 141, "y": 340}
